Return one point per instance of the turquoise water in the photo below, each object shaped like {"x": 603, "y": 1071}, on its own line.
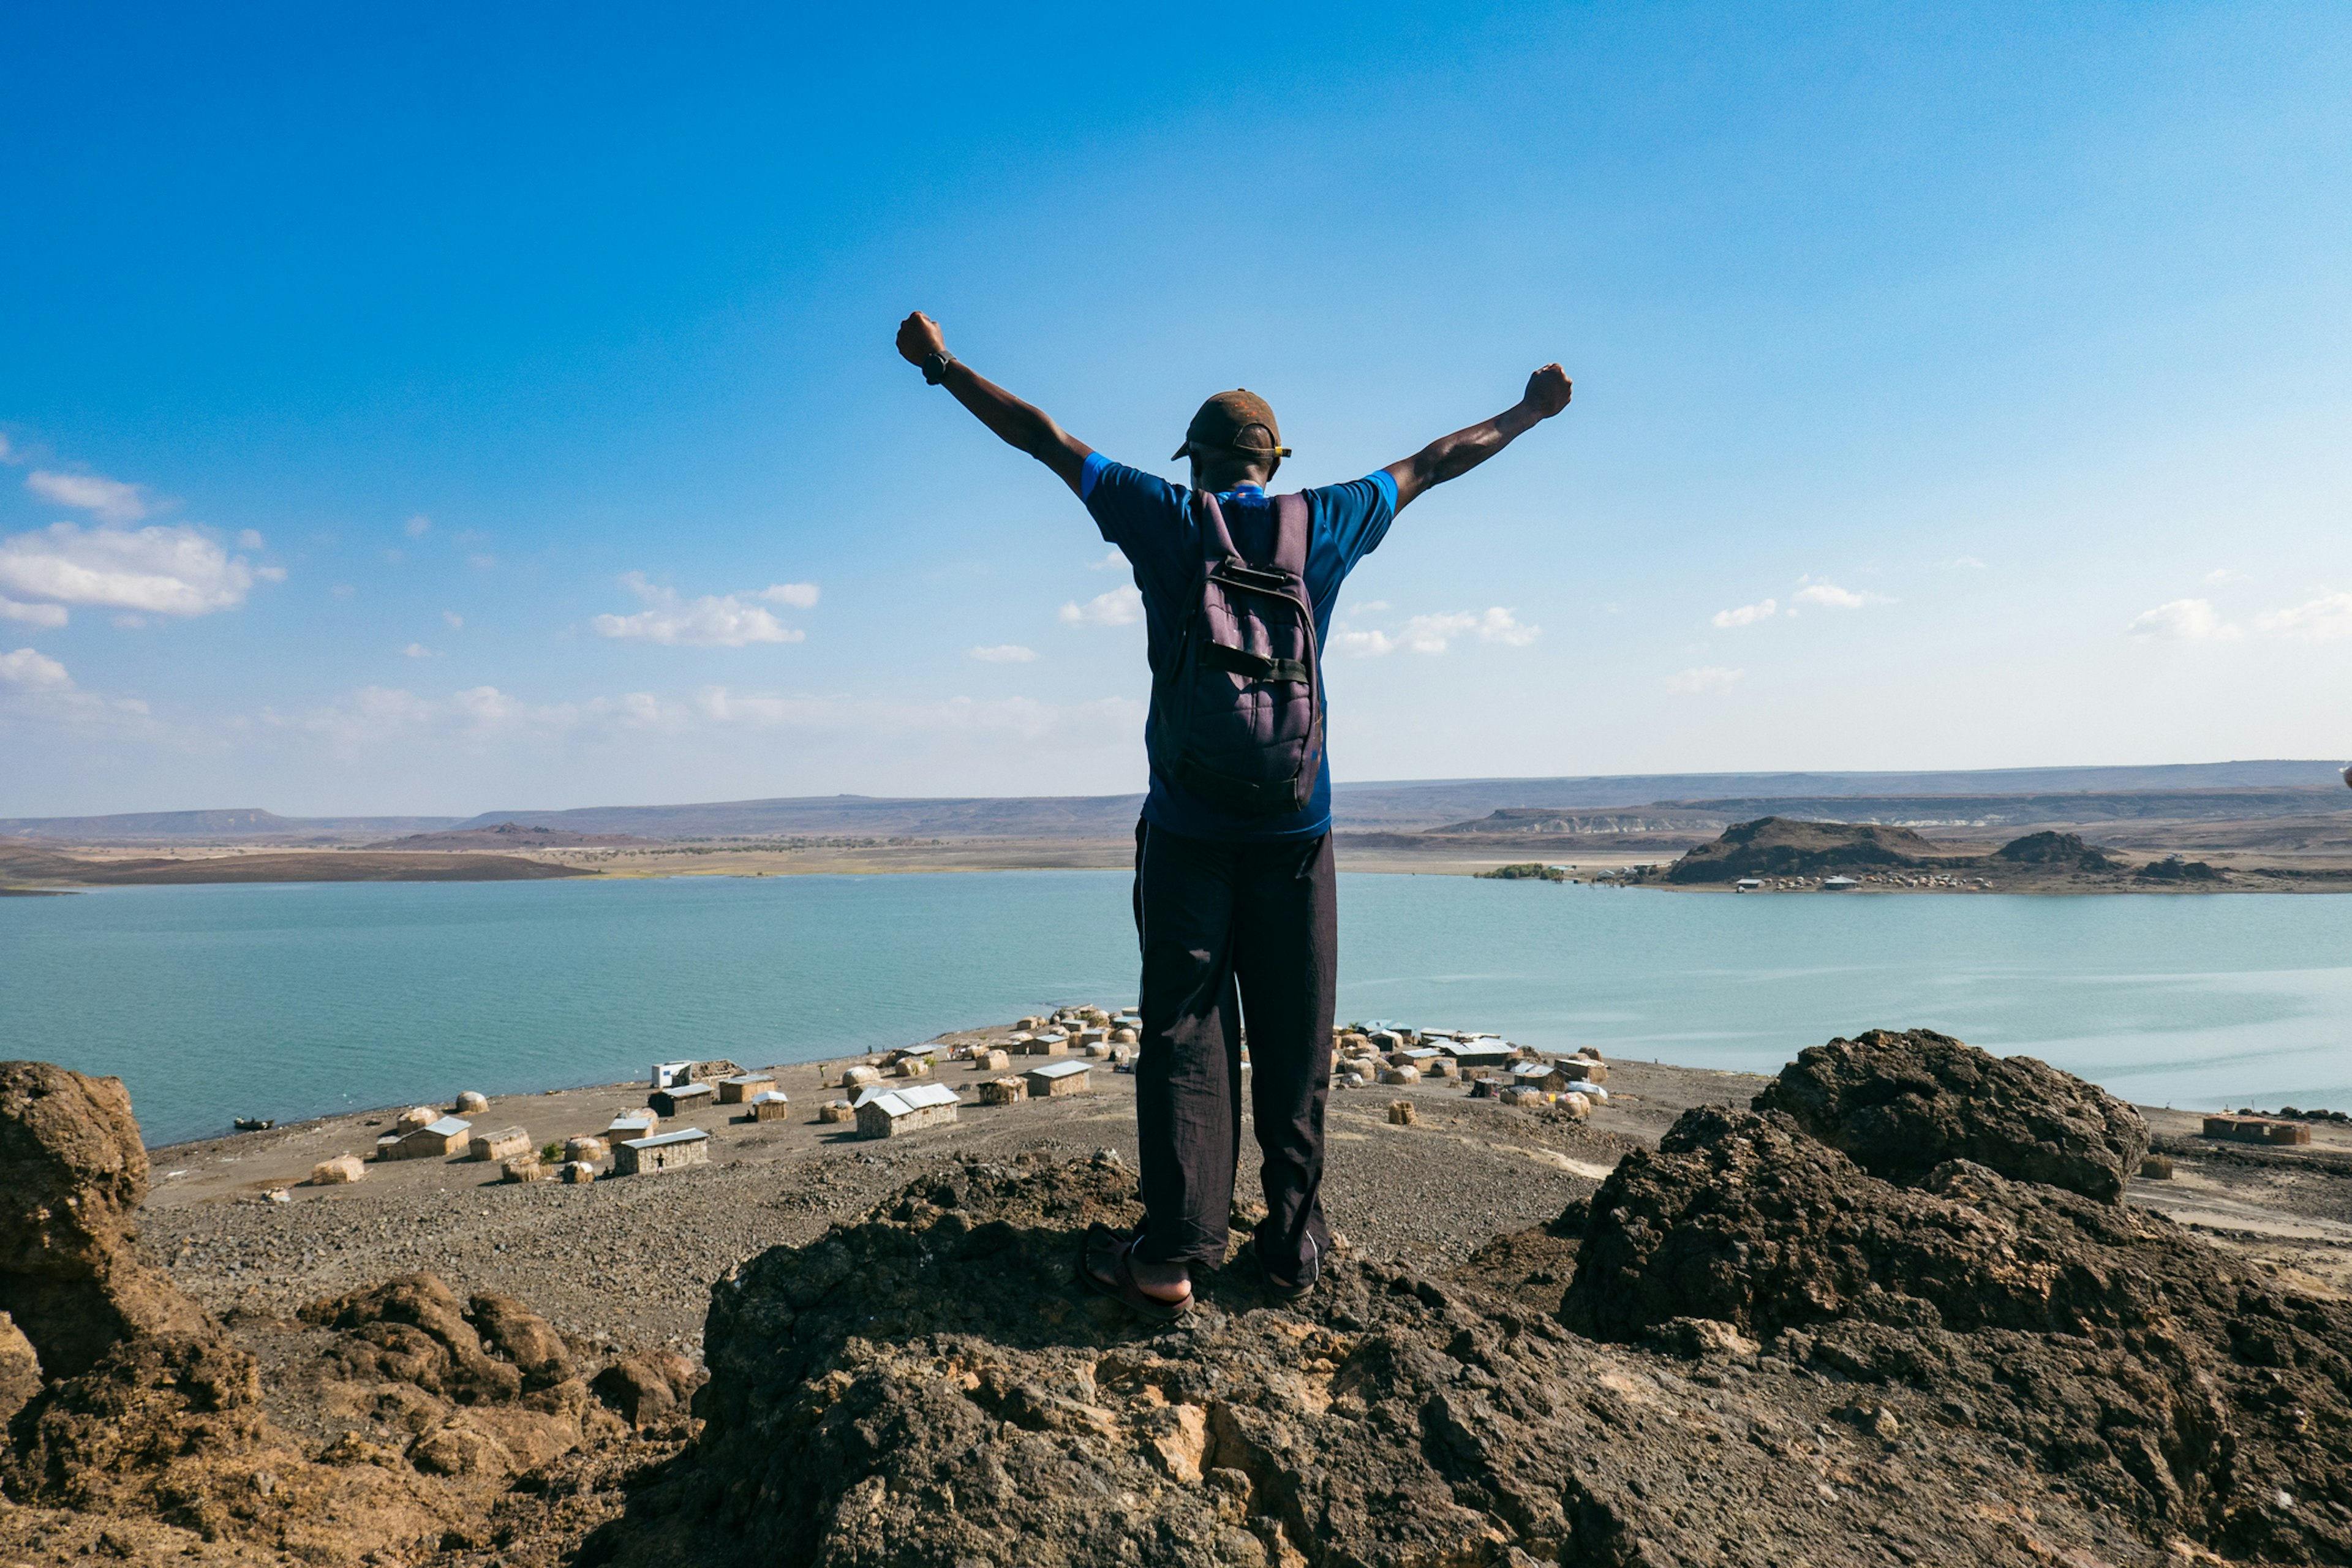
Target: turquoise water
{"x": 293, "y": 1001}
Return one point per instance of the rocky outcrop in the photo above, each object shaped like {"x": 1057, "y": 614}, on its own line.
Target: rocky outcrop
{"x": 1901, "y": 1104}
{"x": 928, "y": 1385}
{"x": 72, "y": 1174}
{"x": 2099, "y": 1344}
{"x": 1779, "y": 847}
{"x": 139, "y": 1422}
{"x": 2065, "y": 851}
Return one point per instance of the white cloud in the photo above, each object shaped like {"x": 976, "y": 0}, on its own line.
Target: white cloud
{"x": 2182, "y": 620}
{"x": 1746, "y": 614}
{"x": 1006, "y": 653}
{"x": 111, "y": 500}
{"x": 51, "y": 615}
{"x": 1436, "y": 634}
{"x": 416, "y": 527}
{"x": 29, "y": 670}
{"x": 164, "y": 570}
{"x": 1109, "y": 562}
{"x": 1368, "y": 607}
{"x": 1830, "y": 595}
{"x": 9, "y": 453}
{"x": 418, "y": 650}
{"x": 1960, "y": 563}
{"x": 453, "y": 620}
{"x": 342, "y": 589}
{"x": 2224, "y": 575}
{"x": 249, "y": 539}
{"x": 1705, "y": 677}
{"x": 1119, "y": 607}
{"x": 715, "y": 620}
{"x": 482, "y": 563}
{"x": 2323, "y": 619}
{"x": 799, "y": 595}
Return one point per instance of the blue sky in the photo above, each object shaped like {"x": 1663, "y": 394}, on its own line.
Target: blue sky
{"x": 420, "y": 411}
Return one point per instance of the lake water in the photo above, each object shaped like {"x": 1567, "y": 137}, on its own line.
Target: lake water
{"x": 300, "y": 1000}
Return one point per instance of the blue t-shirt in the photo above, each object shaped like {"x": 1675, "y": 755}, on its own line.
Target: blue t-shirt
{"x": 1151, "y": 521}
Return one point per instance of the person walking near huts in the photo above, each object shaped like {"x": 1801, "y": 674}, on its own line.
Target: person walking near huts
{"x": 1236, "y": 904}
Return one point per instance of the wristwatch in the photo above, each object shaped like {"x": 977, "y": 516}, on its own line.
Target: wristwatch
{"x": 935, "y": 367}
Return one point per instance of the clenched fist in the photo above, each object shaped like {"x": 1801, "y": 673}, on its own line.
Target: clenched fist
{"x": 1548, "y": 389}
{"x": 920, "y": 338}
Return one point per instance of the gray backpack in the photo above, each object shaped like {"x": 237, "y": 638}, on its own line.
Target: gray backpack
{"x": 1238, "y": 708}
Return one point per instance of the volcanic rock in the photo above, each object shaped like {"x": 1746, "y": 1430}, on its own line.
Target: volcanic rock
{"x": 928, "y": 1385}
{"x": 1902, "y": 1104}
{"x": 2105, "y": 1345}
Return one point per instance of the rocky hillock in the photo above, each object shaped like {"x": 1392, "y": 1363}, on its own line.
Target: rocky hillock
{"x": 1770, "y": 1351}
{"x": 2063, "y": 850}
{"x": 2101, "y": 1346}
{"x": 139, "y": 1427}
{"x": 1783, "y": 847}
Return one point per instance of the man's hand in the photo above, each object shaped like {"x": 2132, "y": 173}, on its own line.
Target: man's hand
{"x": 1548, "y": 389}
{"x": 1016, "y": 424}
{"x": 920, "y": 338}
{"x": 1455, "y": 455}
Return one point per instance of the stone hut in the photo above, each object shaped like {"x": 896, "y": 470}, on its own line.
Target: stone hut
{"x": 1045, "y": 1045}
{"x": 631, "y": 1125}
{"x": 336, "y": 1172}
{"x": 664, "y": 1151}
{"x": 887, "y": 1113}
{"x": 1056, "y": 1078}
{"x": 770, "y": 1105}
{"x": 1001, "y": 1092}
{"x": 506, "y": 1143}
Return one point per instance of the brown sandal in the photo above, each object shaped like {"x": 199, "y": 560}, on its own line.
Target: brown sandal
{"x": 1115, "y": 1279}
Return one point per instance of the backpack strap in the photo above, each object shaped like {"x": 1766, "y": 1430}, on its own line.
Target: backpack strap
{"x": 1216, "y": 539}
{"x": 1291, "y": 528}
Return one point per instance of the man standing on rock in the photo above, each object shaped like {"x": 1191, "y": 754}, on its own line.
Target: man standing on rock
{"x": 1235, "y": 905}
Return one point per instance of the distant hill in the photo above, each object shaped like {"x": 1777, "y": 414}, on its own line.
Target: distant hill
{"x": 247, "y": 822}
{"x": 511, "y": 836}
{"x": 1994, "y": 797}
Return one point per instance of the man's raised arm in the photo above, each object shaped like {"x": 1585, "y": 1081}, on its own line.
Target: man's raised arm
{"x": 1016, "y": 424}
{"x": 1451, "y": 456}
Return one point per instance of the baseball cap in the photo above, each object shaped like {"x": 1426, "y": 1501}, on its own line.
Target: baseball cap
{"x": 1225, "y": 420}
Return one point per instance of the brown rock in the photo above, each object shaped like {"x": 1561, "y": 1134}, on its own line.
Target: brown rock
{"x": 1900, "y": 1105}
{"x": 72, "y": 1174}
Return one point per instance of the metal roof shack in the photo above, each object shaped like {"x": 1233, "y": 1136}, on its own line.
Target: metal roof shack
{"x": 770, "y": 1105}
{"x": 1055, "y": 1078}
{"x": 744, "y": 1087}
{"x": 1479, "y": 1053}
{"x": 1052, "y": 1044}
{"x": 631, "y": 1125}
{"x": 433, "y": 1141}
{"x": 887, "y": 1112}
{"x": 1838, "y": 884}
{"x": 668, "y": 1101}
{"x": 650, "y": 1156}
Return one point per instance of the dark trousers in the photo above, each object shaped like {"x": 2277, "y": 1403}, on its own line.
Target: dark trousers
{"x": 1234, "y": 931}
